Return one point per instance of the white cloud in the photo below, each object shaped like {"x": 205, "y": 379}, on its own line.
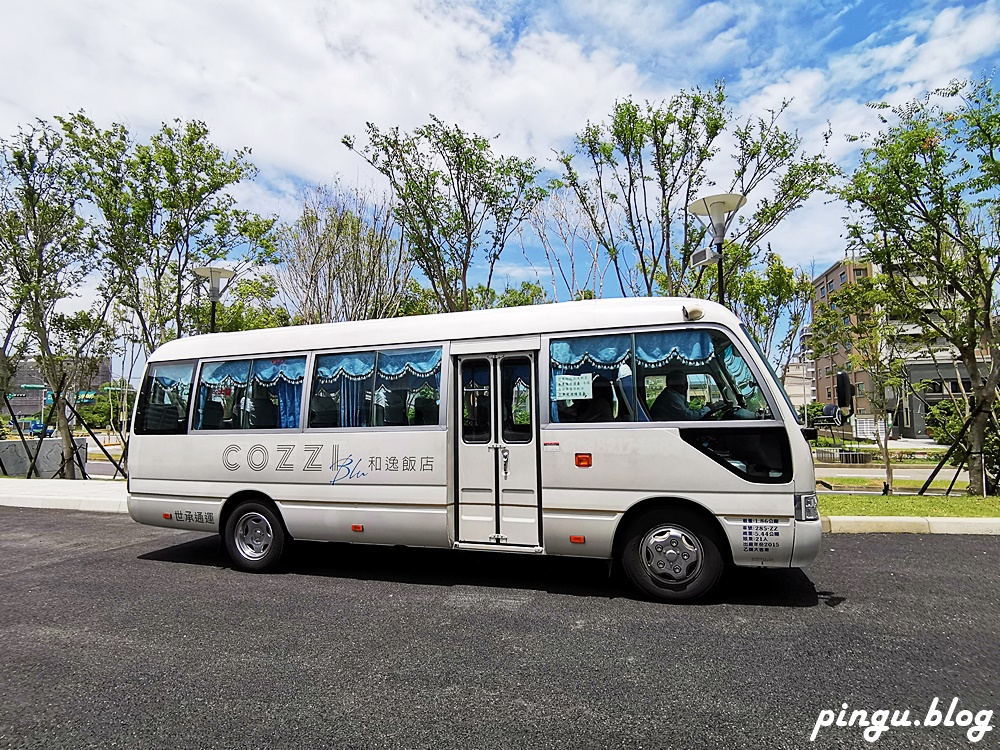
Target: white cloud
{"x": 290, "y": 78}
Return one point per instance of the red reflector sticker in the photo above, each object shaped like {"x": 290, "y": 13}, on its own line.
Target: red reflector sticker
{"x": 578, "y": 539}
{"x": 167, "y": 516}
{"x": 584, "y": 460}
{"x": 357, "y": 527}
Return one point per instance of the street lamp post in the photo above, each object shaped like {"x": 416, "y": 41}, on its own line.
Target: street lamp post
{"x": 214, "y": 274}
{"x": 720, "y": 210}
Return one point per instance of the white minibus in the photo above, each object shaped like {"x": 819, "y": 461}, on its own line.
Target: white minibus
{"x": 651, "y": 431}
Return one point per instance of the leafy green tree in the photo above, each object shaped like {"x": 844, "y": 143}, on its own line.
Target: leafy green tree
{"x": 50, "y": 252}
{"x": 925, "y": 203}
{"x": 112, "y": 406}
{"x": 635, "y": 174}
{"x": 944, "y": 423}
{"x": 528, "y": 293}
{"x": 12, "y": 338}
{"x": 457, "y": 201}
{"x": 648, "y": 162}
{"x": 418, "y": 299}
{"x": 421, "y": 300}
{"x": 252, "y": 303}
{"x": 860, "y": 318}
{"x": 761, "y": 293}
{"x": 164, "y": 208}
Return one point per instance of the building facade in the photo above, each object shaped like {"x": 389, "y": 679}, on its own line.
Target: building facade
{"x": 800, "y": 380}
{"x": 827, "y": 366}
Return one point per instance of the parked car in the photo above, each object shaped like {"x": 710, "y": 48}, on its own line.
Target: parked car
{"x": 36, "y": 429}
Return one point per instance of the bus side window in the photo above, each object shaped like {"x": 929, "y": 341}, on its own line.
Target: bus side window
{"x": 385, "y": 388}
{"x": 222, "y": 390}
{"x": 591, "y": 379}
{"x": 477, "y": 426}
{"x": 275, "y": 393}
{"x": 164, "y": 398}
{"x": 515, "y": 399}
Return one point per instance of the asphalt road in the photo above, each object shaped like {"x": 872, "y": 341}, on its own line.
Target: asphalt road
{"x": 118, "y": 635}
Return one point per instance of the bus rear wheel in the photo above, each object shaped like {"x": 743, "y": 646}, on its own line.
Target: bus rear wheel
{"x": 255, "y": 537}
{"x": 672, "y": 555}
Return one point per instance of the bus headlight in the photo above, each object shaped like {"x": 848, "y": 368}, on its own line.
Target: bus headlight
{"x": 806, "y": 507}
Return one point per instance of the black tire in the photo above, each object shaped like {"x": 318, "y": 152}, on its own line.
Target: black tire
{"x": 255, "y": 537}
{"x": 682, "y": 545}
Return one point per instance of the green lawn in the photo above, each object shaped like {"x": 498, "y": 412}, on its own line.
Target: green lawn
{"x": 965, "y": 506}
{"x": 875, "y": 483}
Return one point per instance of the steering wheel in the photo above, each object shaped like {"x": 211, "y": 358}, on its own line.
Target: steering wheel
{"x": 718, "y": 407}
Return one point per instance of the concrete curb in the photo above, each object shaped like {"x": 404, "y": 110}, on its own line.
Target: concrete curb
{"x": 908, "y": 525}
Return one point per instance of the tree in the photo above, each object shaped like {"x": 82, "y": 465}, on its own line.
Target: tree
{"x": 50, "y": 253}
{"x": 944, "y": 423}
{"x": 456, "y": 199}
{"x": 343, "y": 258}
{"x": 421, "y": 300}
{"x": 252, "y": 305}
{"x": 759, "y": 294}
{"x": 860, "y": 318}
{"x": 571, "y": 247}
{"x": 648, "y": 162}
{"x": 528, "y": 293}
{"x": 164, "y": 209}
{"x": 12, "y": 338}
{"x": 925, "y": 203}
{"x": 112, "y": 405}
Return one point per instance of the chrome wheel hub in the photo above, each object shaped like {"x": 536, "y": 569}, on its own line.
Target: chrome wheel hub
{"x": 253, "y": 536}
{"x": 671, "y": 554}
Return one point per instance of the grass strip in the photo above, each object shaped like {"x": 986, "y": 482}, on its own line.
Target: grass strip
{"x": 954, "y": 506}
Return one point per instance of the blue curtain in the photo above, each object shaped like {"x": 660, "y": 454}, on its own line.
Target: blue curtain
{"x": 283, "y": 377}
{"x": 421, "y": 362}
{"x": 355, "y": 366}
{"x": 604, "y": 352}
{"x": 690, "y": 347}
{"x": 271, "y": 371}
{"x": 289, "y": 403}
{"x": 232, "y": 372}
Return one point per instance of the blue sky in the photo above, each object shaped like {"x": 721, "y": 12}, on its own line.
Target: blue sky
{"x": 290, "y": 78}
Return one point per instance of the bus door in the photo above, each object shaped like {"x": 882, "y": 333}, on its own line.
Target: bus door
{"x": 498, "y": 483}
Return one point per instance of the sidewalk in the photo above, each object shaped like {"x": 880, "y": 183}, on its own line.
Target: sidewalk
{"x": 111, "y": 497}
{"x": 102, "y": 496}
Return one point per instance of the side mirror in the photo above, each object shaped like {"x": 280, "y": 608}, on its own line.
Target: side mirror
{"x": 833, "y": 413}
{"x": 845, "y": 391}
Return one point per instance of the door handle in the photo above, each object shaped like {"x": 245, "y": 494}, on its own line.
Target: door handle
{"x": 505, "y": 457}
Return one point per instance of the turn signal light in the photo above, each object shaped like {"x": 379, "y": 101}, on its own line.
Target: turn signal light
{"x": 357, "y": 527}
{"x": 578, "y": 540}
{"x": 584, "y": 460}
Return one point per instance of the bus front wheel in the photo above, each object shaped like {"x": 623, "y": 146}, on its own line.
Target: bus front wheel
{"x": 672, "y": 555}
{"x": 255, "y": 537}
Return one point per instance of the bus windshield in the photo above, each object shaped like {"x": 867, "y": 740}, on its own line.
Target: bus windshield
{"x": 774, "y": 375}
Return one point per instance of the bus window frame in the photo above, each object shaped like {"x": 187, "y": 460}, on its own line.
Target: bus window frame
{"x": 545, "y": 375}
{"x": 239, "y": 431}
{"x": 442, "y": 395}
{"x": 196, "y": 370}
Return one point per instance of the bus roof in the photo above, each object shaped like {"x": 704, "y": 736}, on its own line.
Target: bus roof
{"x": 462, "y": 326}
